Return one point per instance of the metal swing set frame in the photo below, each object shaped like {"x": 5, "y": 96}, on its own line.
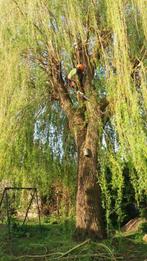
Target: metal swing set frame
{"x": 5, "y": 196}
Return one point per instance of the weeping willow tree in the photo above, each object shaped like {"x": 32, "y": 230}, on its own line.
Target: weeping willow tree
{"x": 41, "y": 42}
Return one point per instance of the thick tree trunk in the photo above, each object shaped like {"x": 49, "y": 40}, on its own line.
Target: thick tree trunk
{"x": 89, "y": 221}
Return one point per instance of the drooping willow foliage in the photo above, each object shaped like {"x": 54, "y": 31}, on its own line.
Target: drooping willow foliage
{"x": 34, "y": 33}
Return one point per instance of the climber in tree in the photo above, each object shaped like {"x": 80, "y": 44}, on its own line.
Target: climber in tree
{"x": 80, "y": 72}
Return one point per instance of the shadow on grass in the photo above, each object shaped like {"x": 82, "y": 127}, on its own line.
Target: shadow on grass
{"x": 35, "y": 239}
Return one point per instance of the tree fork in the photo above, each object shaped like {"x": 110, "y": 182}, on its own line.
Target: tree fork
{"x": 89, "y": 221}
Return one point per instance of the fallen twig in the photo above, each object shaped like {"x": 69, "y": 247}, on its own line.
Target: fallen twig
{"x": 66, "y": 255}
{"x": 53, "y": 254}
{"x": 74, "y": 248}
{"x": 100, "y": 255}
{"x": 79, "y": 257}
{"x": 107, "y": 249}
{"x": 38, "y": 256}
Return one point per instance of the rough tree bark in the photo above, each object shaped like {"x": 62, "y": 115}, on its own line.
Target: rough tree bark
{"x": 89, "y": 221}
{"x": 83, "y": 124}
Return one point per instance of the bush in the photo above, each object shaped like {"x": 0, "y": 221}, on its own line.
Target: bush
{"x": 144, "y": 213}
{"x": 143, "y": 227}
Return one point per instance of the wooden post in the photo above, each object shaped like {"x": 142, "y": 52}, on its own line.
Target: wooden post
{"x": 31, "y": 200}
{"x": 37, "y": 201}
{"x": 3, "y": 195}
{"x": 8, "y": 214}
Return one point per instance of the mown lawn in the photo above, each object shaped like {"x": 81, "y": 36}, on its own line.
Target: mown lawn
{"x": 53, "y": 241}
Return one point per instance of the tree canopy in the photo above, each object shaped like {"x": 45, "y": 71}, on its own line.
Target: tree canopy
{"x": 42, "y": 39}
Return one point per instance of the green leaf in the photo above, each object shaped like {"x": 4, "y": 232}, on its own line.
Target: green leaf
{"x": 72, "y": 73}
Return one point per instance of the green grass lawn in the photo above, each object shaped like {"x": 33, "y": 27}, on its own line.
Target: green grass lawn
{"x": 53, "y": 241}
